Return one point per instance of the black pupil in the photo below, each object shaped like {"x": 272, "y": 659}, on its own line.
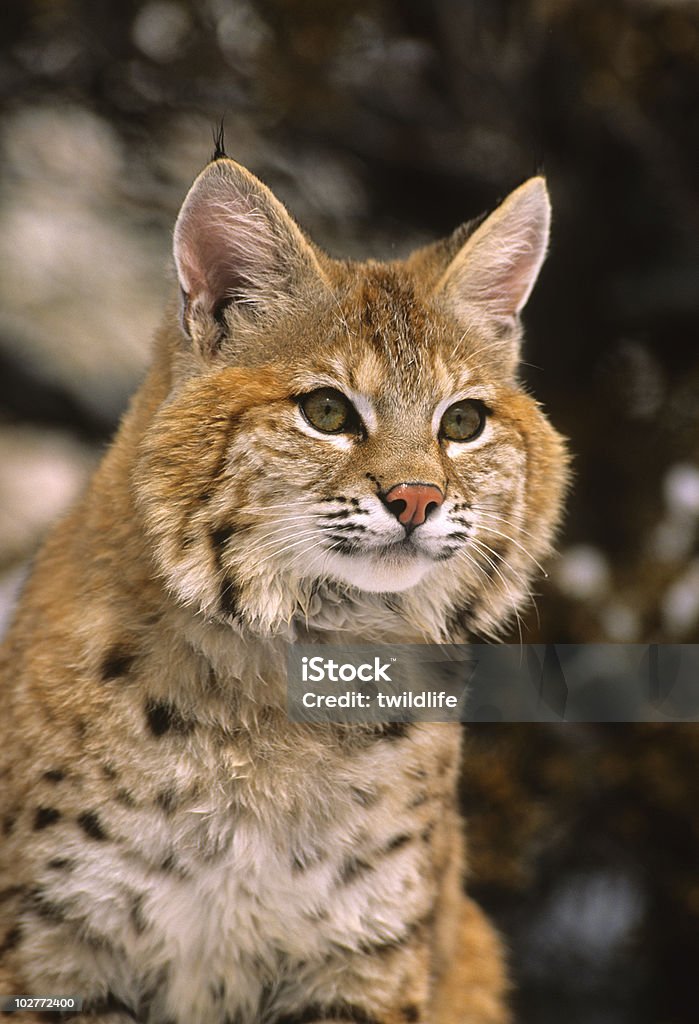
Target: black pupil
{"x": 463, "y": 421}
{"x": 327, "y": 410}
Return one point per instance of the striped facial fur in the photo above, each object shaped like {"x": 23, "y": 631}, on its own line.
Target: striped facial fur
{"x": 322, "y": 451}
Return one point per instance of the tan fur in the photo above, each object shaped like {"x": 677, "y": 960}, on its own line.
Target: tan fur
{"x": 174, "y": 849}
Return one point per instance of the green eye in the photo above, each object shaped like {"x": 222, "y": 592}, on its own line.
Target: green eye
{"x": 463, "y": 421}
{"x": 328, "y": 410}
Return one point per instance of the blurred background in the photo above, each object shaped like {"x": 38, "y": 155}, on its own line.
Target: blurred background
{"x": 383, "y": 124}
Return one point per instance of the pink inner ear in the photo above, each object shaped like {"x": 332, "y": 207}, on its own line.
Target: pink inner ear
{"x": 498, "y": 265}
{"x": 224, "y": 246}
{"x": 518, "y": 276}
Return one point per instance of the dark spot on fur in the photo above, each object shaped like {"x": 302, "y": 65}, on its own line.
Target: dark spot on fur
{"x": 107, "y": 1005}
{"x": 327, "y": 1012}
{"x": 353, "y": 868}
{"x": 8, "y": 823}
{"x": 364, "y": 797}
{"x": 219, "y": 539}
{"x": 212, "y": 682}
{"x": 461, "y": 622}
{"x": 379, "y": 946}
{"x": 54, "y": 775}
{"x": 427, "y": 833}
{"x": 220, "y": 310}
{"x": 410, "y": 1014}
{"x": 169, "y": 865}
{"x": 10, "y": 892}
{"x": 95, "y": 940}
{"x": 397, "y": 842}
{"x": 11, "y": 940}
{"x": 61, "y": 864}
{"x": 412, "y": 929}
{"x": 136, "y": 915}
{"x": 123, "y": 797}
{"x": 418, "y": 800}
{"x": 44, "y": 817}
{"x": 80, "y": 727}
{"x": 163, "y": 716}
{"x": 156, "y": 988}
{"x": 38, "y": 902}
{"x": 228, "y": 598}
{"x": 305, "y": 859}
{"x": 91, "y": 825}
{"x": 393, "y": 730}
{"x": 167, "y": 800}
{"x": 316, "y": 916}
{"x": 217, "y": 991}
{"x": 116, "y": 663}
{"x": 110, "y": 772}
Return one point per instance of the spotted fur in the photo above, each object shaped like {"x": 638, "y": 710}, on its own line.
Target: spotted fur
{"x": 174, "y": 849}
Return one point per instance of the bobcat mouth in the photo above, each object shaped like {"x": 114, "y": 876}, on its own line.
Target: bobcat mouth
{"x": 399, "y": 551}
{"x": 401, "y": 546}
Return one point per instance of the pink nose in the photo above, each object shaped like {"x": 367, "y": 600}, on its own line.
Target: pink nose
{"x": 412, "y": 503}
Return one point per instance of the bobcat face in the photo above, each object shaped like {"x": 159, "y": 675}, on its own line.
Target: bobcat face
{"x": 357, "y": 425}
{"x": 403, "y": 443}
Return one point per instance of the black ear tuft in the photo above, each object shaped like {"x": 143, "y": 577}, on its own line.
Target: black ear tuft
{"x": 219, "y": 142}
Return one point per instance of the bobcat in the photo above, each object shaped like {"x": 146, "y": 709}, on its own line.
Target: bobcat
{"x": 322, "y": 451}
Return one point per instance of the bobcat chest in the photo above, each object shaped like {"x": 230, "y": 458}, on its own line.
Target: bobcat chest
{"x": 266, "y": 907}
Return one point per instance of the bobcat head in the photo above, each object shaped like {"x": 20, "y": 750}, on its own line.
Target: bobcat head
{"x": 348, "y": 431}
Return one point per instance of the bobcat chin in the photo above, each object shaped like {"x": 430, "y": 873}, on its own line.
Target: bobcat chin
{"x": 323, "y": 450}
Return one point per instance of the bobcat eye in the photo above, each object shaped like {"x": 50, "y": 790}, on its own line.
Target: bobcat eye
{"x": 463, "y": 421}
{"x": 328, "y": 410}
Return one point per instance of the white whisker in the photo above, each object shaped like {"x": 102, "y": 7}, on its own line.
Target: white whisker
{"x": 522, "y": 577}
{"x": 506, "y": 536}
{"x": 509, "y": 520}
{"x": 283, "y": 550}
{"x": 506, "y": 586}
{"x": 281, "y": 528}
{"x": 280, "y": 541}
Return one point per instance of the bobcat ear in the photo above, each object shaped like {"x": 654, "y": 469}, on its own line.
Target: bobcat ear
{"x": 498, "y": 265}
{"x": 236, "y": 248}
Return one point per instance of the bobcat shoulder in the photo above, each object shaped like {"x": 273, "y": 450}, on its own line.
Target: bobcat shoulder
{"x": 322, "y": 451}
